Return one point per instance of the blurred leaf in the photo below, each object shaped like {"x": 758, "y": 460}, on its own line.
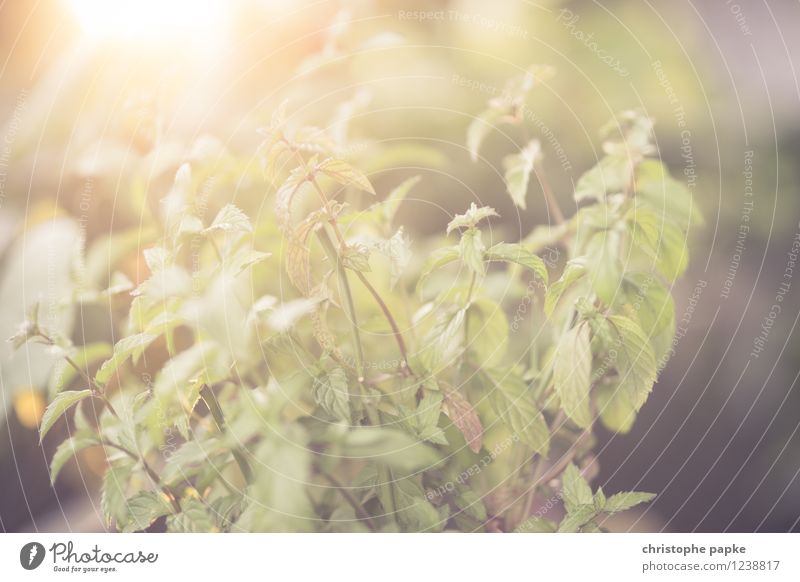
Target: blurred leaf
{"x": 479, "y": 128}
{"x": 390, "y": 447}
{"x": 518, "y": 168}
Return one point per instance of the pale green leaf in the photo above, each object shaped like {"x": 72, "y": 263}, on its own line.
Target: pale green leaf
{"x": 513, "y": 401}
{"x": 390, "y": 447}
{"x": 575, "y": 489}
{"x": 577, "y": 518}
{"x": 60, "y": 404}
{"x": 516, "y": 253}
{"x": 573, "y": 272}
{"x": 144, "y": 508}
{"x": 626, "y": 500}
{"x": 130, "y": 347}
{"x": 436, "y": 260}
{"x": 471, "y": 218}
{"x": 472, "y": 249}
{"x": 68, "y": 449}
{"x": 113, "y": 498}
{"x": 612, "y": 174}
{"x": 396, "y": 196}
{"x": 479, "y": 129}
{"x": 518, "y": 168}
{"x": 331, "y": 394}
{"x": 345, "y": 174}
{"x": 572, "y": 374}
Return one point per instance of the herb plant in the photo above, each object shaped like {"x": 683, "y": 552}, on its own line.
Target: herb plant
{"x": 449, "y": 383}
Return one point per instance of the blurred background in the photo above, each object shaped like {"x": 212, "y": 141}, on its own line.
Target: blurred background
{"x": 98, "y": 97}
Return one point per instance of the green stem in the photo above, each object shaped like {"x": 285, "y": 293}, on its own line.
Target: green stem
{"x": 361, "y": 513}
{"x": 333, "y": 256}
{"x": 149, "y": 470}
{"x": 398, "y": 336}
{"x": 214, "y": 408}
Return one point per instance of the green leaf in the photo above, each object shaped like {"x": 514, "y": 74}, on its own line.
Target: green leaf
{"x": 614, "y": 407}
{"x": 243, "y": 259}
{"x": 612, "y": 174}
{"x": 635, "y": 362}
{"x": 656, "y": 188}
{"x": 332, "y": 395}
{"x": 85, "y": 357}
{"x": 603, "y": 264}
{"x": 487, "y": 326}
{"x": 156, "y": 258}
{"x": 195, "y": 517}
{"x": 444, "y": 340}
{"x": 572, "y": 374}
{"x": 599, "y": 499}
{"x": 660, "y": 240}
{"x": 623, "y": 501}
{"x": 278, "y": 495}
{"x": 536, "y": 525}
{"x": 396, "y": 196}
{"x": 113, "y": 498}
{"x": 575, "y": 489}
{"x": 390, "y": 447}
{"x": 414, "y": 512}
{"x": 645, "y": 299}
{"x": 518, "y": 168}
{"x": 398, "y": 250}
{"x": 356, "y": 259}
{"x": 60, "y": 404}
{"x": 471, "y": 218}
{"x": 516, "y": 253}
{"x": 130, "y": 347}
{"x": 472, "y": 249}
{"x": 144, "y": 508}
{"x": 423, "y": 422}
{"x": 472, "y": 504}
{"x": 573, "y": 272}
{"x": 436, "y": 260}
{"x": 479, "y": 128}
{"x": 577, "y": 518}
{"x": 67, "y": 449}
{"x": 185, "y": 462}
{"x": 345, "y": 174}
{"x": 514, "y": 403}
{"x": 230, "y": 219}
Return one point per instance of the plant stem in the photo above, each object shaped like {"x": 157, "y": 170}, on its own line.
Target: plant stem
{"x": 401, "y": 344}
{"x": 333, "y": 256}
{"x": 150, "y": 472}
{"x": 214, "y": 408}
{"x": 357, "y": 507}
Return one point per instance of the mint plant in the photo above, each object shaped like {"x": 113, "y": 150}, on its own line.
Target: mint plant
{"x": 314, "y": 369}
